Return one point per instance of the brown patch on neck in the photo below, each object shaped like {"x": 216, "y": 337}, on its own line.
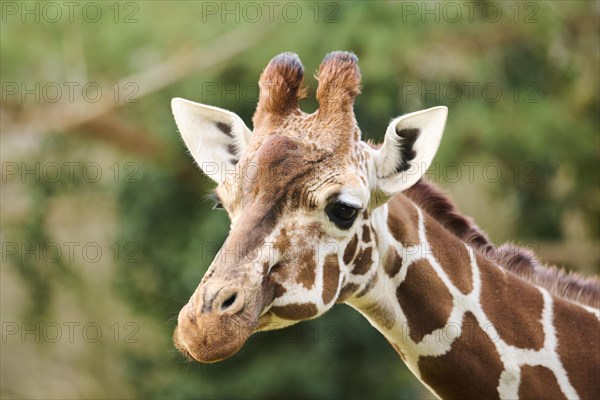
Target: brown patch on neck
{"x": 567, "y": 285}
{"x": 539, "y": 383}
{"x": 393, "y": 262}
{"x": 403, "y": 221}
{"x": 578, "y": 335}
{"x": 471, "y": 369}
{"x": 571, "y": 286}
{"x": 514, "y": 307}
{"x": 425, "y": 300}
{"x": 451, "y": 254}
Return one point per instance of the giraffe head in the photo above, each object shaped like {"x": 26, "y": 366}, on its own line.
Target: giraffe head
{"x": 299, "y": 190}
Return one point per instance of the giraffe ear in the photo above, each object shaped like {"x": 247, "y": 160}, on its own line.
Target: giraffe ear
{"x": 410, "y": 144}
{"x": 216, "y": 138}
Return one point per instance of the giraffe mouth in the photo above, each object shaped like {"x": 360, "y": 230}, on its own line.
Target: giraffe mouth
{"x": 214, "y": 336}
{"x": 265, "y": 322}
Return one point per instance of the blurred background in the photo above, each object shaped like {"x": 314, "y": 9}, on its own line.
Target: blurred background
{"x": 105, "y": 228}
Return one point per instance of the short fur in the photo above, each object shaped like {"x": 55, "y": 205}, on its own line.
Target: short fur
{"x": 339, "y": 82}
{"x": 281, "y": 86}
{"x": 522, "y": 262}
{"x": 416, "y": 268}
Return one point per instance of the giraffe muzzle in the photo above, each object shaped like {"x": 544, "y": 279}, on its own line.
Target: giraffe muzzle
{"x": 218, "y": 320}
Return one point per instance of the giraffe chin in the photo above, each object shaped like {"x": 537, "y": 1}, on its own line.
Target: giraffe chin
{"x": 213, "y": 337}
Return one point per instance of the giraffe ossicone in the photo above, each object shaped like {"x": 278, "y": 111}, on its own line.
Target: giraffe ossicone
{"x": 319, "y": 217}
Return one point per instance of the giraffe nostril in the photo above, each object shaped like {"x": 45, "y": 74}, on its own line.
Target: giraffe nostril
{"x": 228, "y": 302}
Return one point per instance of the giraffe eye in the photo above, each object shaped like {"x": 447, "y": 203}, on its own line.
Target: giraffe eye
{"x": 341, "y": 214}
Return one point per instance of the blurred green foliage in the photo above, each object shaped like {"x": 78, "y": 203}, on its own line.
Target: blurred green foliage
{"x": 542, "y": 131}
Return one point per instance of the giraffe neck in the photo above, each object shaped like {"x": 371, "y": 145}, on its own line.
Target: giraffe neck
{"x": 465, "y": 326}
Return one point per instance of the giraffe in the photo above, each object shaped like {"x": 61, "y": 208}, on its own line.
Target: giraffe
{"x": 320, "y": 217}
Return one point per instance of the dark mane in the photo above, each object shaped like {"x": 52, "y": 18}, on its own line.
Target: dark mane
{"x": 520, "y": 261}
